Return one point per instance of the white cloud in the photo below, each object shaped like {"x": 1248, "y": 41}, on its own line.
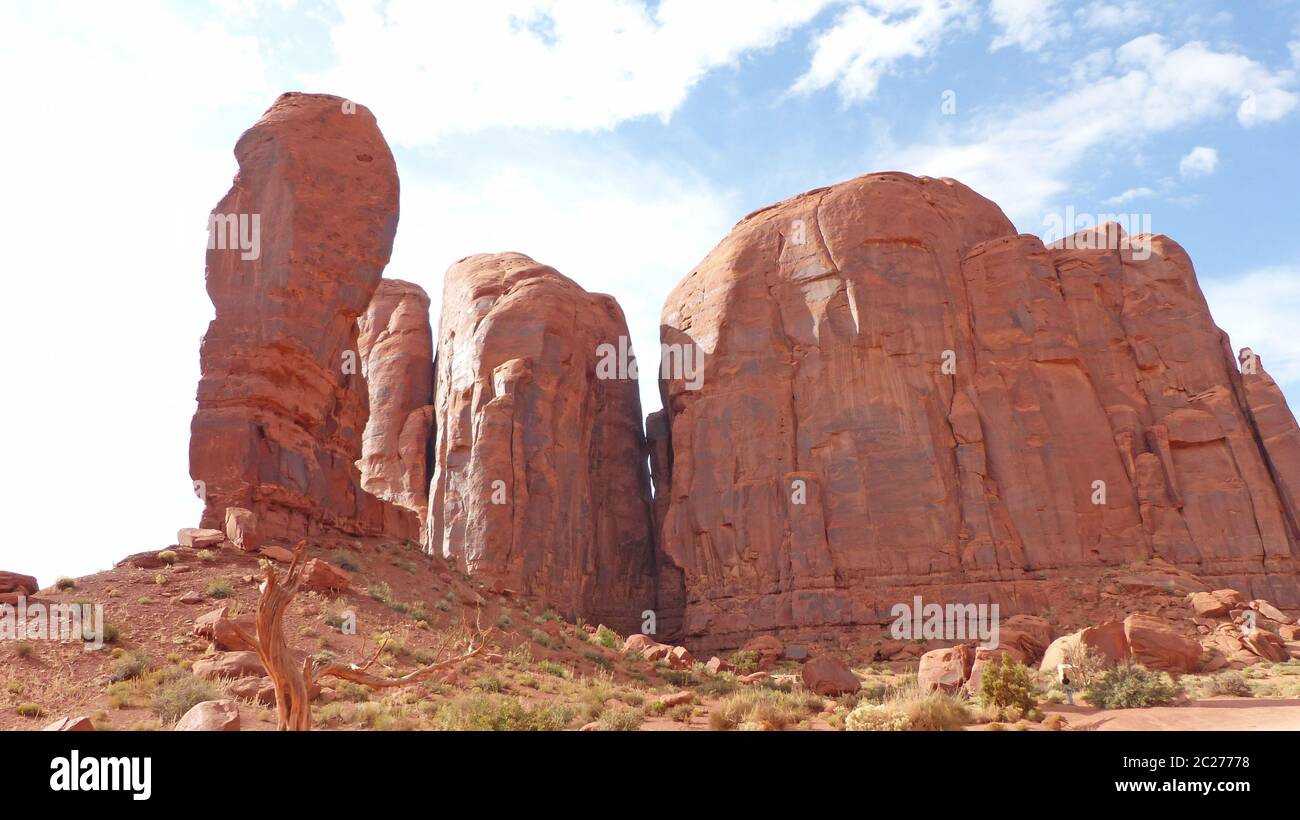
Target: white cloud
{"x": 1258, "y": 310}
{"x": 1029, "y": 24}
{"x": 1024, "y": 159}
{"x": 125, "y": 146}
{"x": 1200, "y": 161}
{"x": 1114, "y": 15}
{"x": 1130, "y": 195}
{"x": 436, "y": 68}
{"x": 1294, "y": 47}
{"x": 867, "y": 41}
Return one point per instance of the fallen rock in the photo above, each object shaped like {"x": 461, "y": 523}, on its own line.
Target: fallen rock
{"x": 229, "y": 665}
{"x": 322, "y": 576}
{"x": 829, "y": 676}
{"x": 217, "y": 627}
{"x": 677, "y": 699}
{"x": 716, "y": 665}
{"x": 197, "y": 538}
{"x": 1271, "y": 612}
{"x": 1266, "y": 645}
{"x": 638, "y": 643}
{"x": 15, "y": 582}
{"x": 1231, "y": 597}
{"x": 210, "y": 716}
{"x": 80, "y": 723}
{"x": 753, "y": 677}
{"x": 257, "y": 690}
{"x": 945, "y": 669}
{"x": 241, "y": 529}
{"x": 768, "y": 648}
{"x": 1208, "y": 605}
{"x": 277, "y": 553}
{"x": 1154, "y": 645}
{"x": 1108, "y": 639}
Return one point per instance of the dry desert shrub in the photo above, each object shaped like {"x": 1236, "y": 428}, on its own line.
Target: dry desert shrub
{"x": 763, "y": 708}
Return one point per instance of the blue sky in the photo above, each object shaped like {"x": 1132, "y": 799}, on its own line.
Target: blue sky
{"x": 616, "y": 140}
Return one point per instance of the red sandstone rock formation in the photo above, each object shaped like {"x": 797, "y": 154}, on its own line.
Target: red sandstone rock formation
{"x": 902, "y": 396}
{"x": 541, "y": 480}
{"x": 298, "y": 246}
{"x": 396, "y": 345}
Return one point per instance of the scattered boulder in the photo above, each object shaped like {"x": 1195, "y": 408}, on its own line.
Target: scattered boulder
{"x": 240, "y": 664}
{"x": 17, "y": 583}
{"x": 1155, "y": 645}
{"x": 753, "y": 677}
{"x": 81, "y": 723}
{"x": 677, "y": 699}
{"x": 322, "y": 576}
{"x": 210, "y": 716}
{"x": 241, "y": 529}
{"x": 768, "y": 648}
{"x": 1209, "y": 605}
{"x": 220, "y": 629}
{"x": 829, "y": 676}
{"x": 638, "y": 643}
{"x": 198, "y": 538}
{"x": 277, "y": 553}
{"x": 716, "y": 665}
{"x": 1265, "y": 644}
{"x": 1271, "y": 612}
{"x": 257, "y": 690}
{"x": 945, "y": 669}
{"x": 1024, "y": 637}
{"x": 1107, "y": 638}
{"x": 1231, "y": 597}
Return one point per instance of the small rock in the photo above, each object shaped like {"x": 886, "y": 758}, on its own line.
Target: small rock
{"x": 277, "y": 553}
{"x": 80, "y": 723}
{"x": 210, "y": 716}
{"x": 677, "y": 699}
{"x": 829, "y": 676}
{"x": 322, "y": 576}
{"x": 229, "y": 665}
{"x": 241, "y": 529}
{"x": 199, "y": 538}
{"x": 768, "y": 648}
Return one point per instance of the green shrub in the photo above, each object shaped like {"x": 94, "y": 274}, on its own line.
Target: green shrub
{"x": 745, "y": 661}
{"x": 128, "y": 666}
{"x": 31, "y": 710}
{"x": 606, "y": 637}
{"x": 553, "y": 668}
{"x": 344, "y": 559}
{"x": 23, "y": 649}
{"x": 205, "y": 555}
{"x": 1131, "y": 686}
{"x": 503, "y": 621}
{"x": 620, "y": 719}
{"x": 874, "y": 717}
{"x": 763, "y": 709}
{"x": 380, "y": 591}
{"x": 485, "y": 712}
{"x": 65, "y": 583}
{"x": 168, "y": 556}
{"x": 219, "y": 588}
{"x": 1231, "y": 683}
{"x": 1005, "y": 685}
{"x": 178, "y": 693}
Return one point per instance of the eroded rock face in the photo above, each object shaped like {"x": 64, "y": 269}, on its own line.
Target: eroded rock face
{"x": 541, "y": 481}
{"x": 900, "y": 395}
{"x": 396, "y": 344}
{"x": 297, "y": 249}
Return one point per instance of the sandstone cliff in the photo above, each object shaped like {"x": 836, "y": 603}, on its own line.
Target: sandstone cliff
{"x": 541, "y": 481}
{"x": 901, "y": 395}
{"x": 297, "y": 249}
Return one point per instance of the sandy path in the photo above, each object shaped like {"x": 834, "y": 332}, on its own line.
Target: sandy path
{"x": 1260, "y": 714}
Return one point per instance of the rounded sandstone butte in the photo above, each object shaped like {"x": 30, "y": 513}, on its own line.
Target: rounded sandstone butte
{"x": 901, "y": 395}
{"x": 396, "y": 345}
{"x": 541, "y": 479}
{"x": 296, "y": 249}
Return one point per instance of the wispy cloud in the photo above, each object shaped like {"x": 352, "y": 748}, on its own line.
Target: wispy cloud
{"x": 1026, "y": 158}
{"x": 868, "y": 41}
{"x": 1130, "y": 195}
{"x": 1029, "y": 24}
